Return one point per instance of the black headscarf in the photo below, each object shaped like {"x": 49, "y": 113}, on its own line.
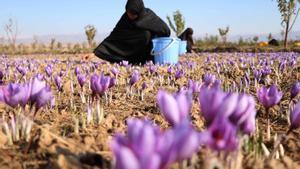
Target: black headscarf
{"x": 135, "y": 6}
{"x": 187, "y": 35}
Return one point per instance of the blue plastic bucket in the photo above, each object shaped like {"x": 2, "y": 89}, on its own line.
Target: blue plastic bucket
{"x": 182, "y": 47}
{"x": 165, "y": 50}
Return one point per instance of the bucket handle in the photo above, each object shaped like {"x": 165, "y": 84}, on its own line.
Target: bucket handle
{"x": 167, "y": 47}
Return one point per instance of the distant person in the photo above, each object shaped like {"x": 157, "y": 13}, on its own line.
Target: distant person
{"x": 273, "y": 42}
{"x": 187, "y": 35}
{"x": 131, "y": 39}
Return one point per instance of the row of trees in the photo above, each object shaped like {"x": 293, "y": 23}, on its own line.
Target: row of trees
{"x": 289, "y": 10}
{"x": 12, "y": 30}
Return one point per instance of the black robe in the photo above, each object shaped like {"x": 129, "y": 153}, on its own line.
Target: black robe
{"x": 132, "y": 40}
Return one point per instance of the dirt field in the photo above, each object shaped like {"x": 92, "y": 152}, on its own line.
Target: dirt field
{"x": 57, "y": 142}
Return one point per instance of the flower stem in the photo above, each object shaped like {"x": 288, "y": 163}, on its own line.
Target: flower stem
{"x": 268, "y": 124}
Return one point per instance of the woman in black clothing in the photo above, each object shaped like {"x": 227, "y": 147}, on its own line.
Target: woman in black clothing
{"x": 187, "y": 35}
{"x": 131, "y": 39}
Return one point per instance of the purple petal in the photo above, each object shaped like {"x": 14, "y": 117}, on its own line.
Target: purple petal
{"x": 169, "y": 108}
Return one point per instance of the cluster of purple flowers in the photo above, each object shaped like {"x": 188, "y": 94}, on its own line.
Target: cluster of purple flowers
{"x": 101, "y": 84}
{"x": 226, "y": 115}
{"x": 269, "y": 97}
{"x": 34, "y": 92}
{"x": 147, "y": 147}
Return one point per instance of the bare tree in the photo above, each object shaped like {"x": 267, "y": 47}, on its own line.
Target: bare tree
{"x": 90, "y": 32}
{"x": 11, "y": 29}
{"x": 35, "y": 42}
{"x": 289, "y": 13}
{"x": 223, "y": 33}
{"x": 178, "y": 21}
{"x": 52, "y": 44}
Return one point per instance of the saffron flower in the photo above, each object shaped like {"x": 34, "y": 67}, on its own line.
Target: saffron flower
{"x": 221, "y": 135}
{"x": 295, "y": 117}
{"x": 58, "y": 82}
{"x": 99, "y": 84}
{"x": 210, "y": 100}
{"x": 134, "y": 77}
{"x": 49, "y": 70}
{"x": 269, "y": 97}
{"x": 295, "y": 90}
{"x": 81, "y": 80}
{"x": 115, "y": 71}
{"x": 208, "y": 79}
{"x": 175, "y": 108}
{"x": 21, "y": 70}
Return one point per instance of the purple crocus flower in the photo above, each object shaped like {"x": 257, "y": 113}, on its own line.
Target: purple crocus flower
{"x": 124, "y": 63}
{"x": 208, "y": 79}
{"x": 295, "y": 117}
{"x": 282, "y": 65}
{"x": 134, "y": 77}
{"x": 176, "y": 108}
{"x": 266, "y": 71}
{"x": 112, "y": 83}
{"x": 210, "y": 101}
{"x": 21, "y": 70}
{"x": 194, "y": 86}
{"x": 41, "y": 94}
{"x": 58, "y": 82}
{"x": 170, "y": 70}
{"x": 293, "y": 62}
{"x": 77, "y": 71}
{"x": 16, "y": 94}
{"x": 248, "y": 126}
{"x": 221, "y": 135}
{"x": 44, "y": 97}
{"x": 179, "y": 74}
{"x": 145, "y": 146}
{"x": 40, "y": 77}
{"x": 81, "y": 79}
{"x": 49, "y": 70}
{"x": 178, "y": 144}
{"x": 115, "y": 71}
{"x": 99, "y": 84}
{"x": 186, "y": 142}
{"x": 216, "y": 84}
{"x": 152, "y": 69}
{"x": 244, "y": 114}
{"x": 138, "y": 150}
{"x": 269, "y": 97}
{"x": 36, "y": 86}
{"x": 257, "y": 74}
{"x": 295, "y": 90}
